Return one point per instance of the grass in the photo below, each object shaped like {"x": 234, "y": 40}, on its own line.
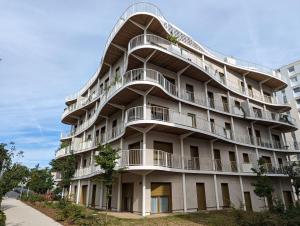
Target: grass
{"x": 69, "y": 214}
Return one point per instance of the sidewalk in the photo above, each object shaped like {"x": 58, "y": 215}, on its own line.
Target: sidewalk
{"x": 19, "y": 214}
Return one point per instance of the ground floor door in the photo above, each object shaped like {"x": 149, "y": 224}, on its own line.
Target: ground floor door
{"x": 161, "y": 198}
{"x": 201, "y": 199}
{"x": 83, "y": 194}
{"x": 288, "y": 199}
{"x": 127, "y": 197}
{"x": 225, "y": 195}
{"x": 94, "y": 190}
{"x": 248, "y": 202}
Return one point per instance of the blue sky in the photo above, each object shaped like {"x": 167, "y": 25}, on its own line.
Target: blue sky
{"x": 50, "y": 48}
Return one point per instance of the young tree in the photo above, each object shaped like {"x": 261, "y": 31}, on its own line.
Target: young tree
{"x": 66, "y": 166}
{"x": 263, "y": 184}
{"x": 11, "y": 174}
{"x": 107, "y": 159}
{"x": 40, "y": 180}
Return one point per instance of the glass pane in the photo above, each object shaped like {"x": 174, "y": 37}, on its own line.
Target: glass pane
{"x": 164, "y": 204}
{"x": 154, "y": 205}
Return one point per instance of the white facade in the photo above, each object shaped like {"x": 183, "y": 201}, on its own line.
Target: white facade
{"x": 189, "y": 124}
{"x": 291, "y": 95}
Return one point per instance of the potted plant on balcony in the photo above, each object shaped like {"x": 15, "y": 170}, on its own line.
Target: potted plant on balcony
{"x": 174, "y": 43}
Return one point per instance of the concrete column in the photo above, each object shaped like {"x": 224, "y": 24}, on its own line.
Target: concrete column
{"x": 203, "y": 60}
{"x": 179, "y": 85}
{"x": 78, "y": 192}
{"x": 237, "y": 158}
{"x": 101, "y": 195}
{"x": 257, "y": 154}
{"x": 270, "y": 136}
{"x": 212, "y": 155}
{"x": 232, "y": 128}
{"x": 106, "y": 130}
{"x": 182, "y": 153}
{"x": 229, "y": 102}
{"x": 144, "y": 195}
{"x": 179, "y": 106}
{"x": 275, "y": 160}
{"x": 119, "y": 193}
{"x": 70, "y": 192}
{"x": 145, "y": 106}
{"x": 216, "y": 192}
{"x": 205, "y": 93}
{"x": 246, "y": 85}
{"x": 144, "y": 148}
{"x": 242, "y": 192}
{"x": 88, "y": 193}
{"x": 184, "y": 192}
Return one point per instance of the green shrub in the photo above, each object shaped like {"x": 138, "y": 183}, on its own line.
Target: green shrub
{"x": 247, "y": 218}
{"x": 32, "y": 197}
{"x": 2, "y": 218}
{"x": 292, "y": 216}
{"x": 70, "y": 212}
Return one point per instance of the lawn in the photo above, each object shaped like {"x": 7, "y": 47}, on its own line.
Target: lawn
{"x": 70, "y": 215}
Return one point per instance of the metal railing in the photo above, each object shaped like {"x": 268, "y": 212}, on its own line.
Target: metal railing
{"x": 150, "y": 39}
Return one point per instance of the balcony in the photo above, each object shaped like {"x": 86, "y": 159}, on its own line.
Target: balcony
{"x": 271, "y": 116}
{"x": 162, "y": 114}
{"x": 87, "y": 171}
{"x": 158, "y": 78}
{"x": 156, "y": 41}
{"x": 132, "y": 159}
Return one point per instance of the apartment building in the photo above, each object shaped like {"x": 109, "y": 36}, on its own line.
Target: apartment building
{"x": 190, "y": 124}
{"x": 291, "y": 95}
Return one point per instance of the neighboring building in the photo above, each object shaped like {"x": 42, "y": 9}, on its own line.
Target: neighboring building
{"x": 190, "y": 124}
{"x": 291, "y": 95}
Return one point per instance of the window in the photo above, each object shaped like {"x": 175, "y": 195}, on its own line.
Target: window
{"x": 246, "y": 158}
{"x": 298, "y": 101}
{"x": 297, "y": 90}
{"x": 222, "y": 77}
{"x": 294, "y": 79}
{"x": 212, "y": 125}
{"x": 267, "y": 97}
{"x": 211, "y": 99}
{"x": 114, "y": 128}
{"x": 242, "y": 84}
{"x": 190, "y": 92}
{"x": 117, "y": 72}
{"x": 250, "y": 91}
{"x": 227, "y": 130}
{"x": 193, "y": 119}
{"x": 225, "y": 104}
{"x": 291, "y": 69}
{"x": 257, "y": 112}
{"x": 89, "y": 137}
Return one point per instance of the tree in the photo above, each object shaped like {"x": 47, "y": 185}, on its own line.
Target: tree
{"x": 66, "y": 167}
{"x": 11, "y": 174}
{"x": 263, "y": 184}
{"x": 40, "y": 180}
{"x": 107, "y": 159}
{"x": 293, "y": 171}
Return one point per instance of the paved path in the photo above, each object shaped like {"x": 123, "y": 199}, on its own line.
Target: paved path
{"x": 20, "y": 214}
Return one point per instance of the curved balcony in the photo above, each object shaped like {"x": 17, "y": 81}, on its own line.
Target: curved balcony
{"x": 149, "y": 75}
{"x": 155, "y": 77}
{"x": 185, "y": 123}
{"x": 165, "y": 46}
{"x": 152, "y": 159}
{"x": 152, "y": 10}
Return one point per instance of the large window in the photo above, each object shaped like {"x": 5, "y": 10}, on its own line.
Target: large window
{"x": 291, "y": 69}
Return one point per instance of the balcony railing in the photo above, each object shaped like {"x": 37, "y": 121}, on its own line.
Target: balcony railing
{"x": 150, "y": 39}
{"x": 153, "y": 158}
{"x": 201, "y": 124}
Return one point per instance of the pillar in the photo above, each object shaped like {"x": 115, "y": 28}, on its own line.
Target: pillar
{"x": 78, "y": 192}
{"x": 184, "y": 192}
{"x": 119, "y": 193}
{"x": 216, "y": 192}
{"x": 144, "y": 195}
{"x": 242, "y": 192}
